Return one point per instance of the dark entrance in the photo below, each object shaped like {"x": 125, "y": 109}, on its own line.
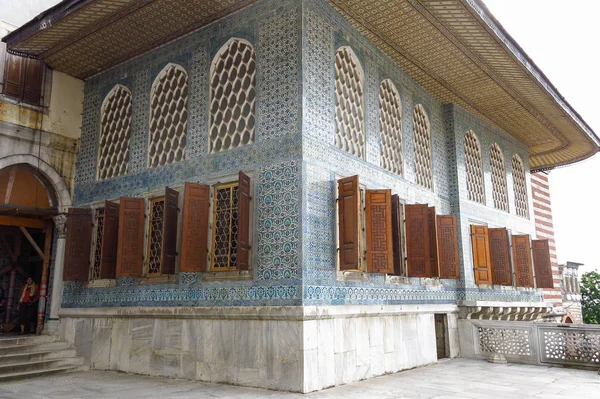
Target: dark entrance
{"x": 441, "y": 335}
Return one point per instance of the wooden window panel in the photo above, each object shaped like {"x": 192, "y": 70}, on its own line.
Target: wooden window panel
{"x": 481, "y": 254}
{"x": 379, "y": 231}
{"x": 13, "y": 75}
{"x": 433, "y": 244}
{"x": 349, "y": 223}
{"x": 110, "y": 234}
{"x": 418, "y": 253}
{"x": 169, "y": 245}
{"x": 32, "y": 84}
{"x": 194, "y": 248}
{"x": 78, "y": 244}
{"x": 243, "y": 230}
{"x": 542, "y": 264}
{"x": 397, "y": 236}
{"x": 522, "y": 260}
{"x": 130, "y": 255}
{"x": 500, "y": 256}
{"x": 447, "y": 241}
{"x": 23, "y": 78}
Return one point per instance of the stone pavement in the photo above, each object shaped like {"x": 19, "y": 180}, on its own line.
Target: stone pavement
{"x": 458, "y": 378}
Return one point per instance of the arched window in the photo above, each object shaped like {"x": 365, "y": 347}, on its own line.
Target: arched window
{"x": 520, "y": 187}
{"x": 499, "y": 190}
{"x": 475, "y": 187}
{"x": 349, "y": 103}
{"x": 232, "y": 96}
{"x": 422, "y": 147}
{"x": 390, "y": 127}
{"x": 168, "y": 116}
{"x": 115, "y": 133}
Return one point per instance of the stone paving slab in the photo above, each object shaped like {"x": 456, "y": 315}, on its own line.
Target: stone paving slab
{"x": 457, "y": 378}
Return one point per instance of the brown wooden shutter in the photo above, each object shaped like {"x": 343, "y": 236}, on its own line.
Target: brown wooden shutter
{"x": 194, "y": 247}
{"x": 481, "y": 254}
{"x": 379, "y": 231}
{"x": 243, "y": 235}
{"x": 349, "y": 226}
{"x": 499, "y": 256}
{"x": 13, "y": 75}
{"x": 417, "y": 241}
{"x": 397, "y": 221}
{"x": 541, "y": 262}
{"x": 169, "y": 248}
{"x": 522, "y": 259}
{"x": 32, "y": 81}
{"x": 78, "y": 245}
{"x": 433, "y": 244}
{"x": 110, "y": 235}
{"x": 447, "y": 241}
{"x": 130, "y": 256}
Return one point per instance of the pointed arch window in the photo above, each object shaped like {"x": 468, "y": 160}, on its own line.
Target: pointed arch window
{"x": 168, "y": 116}
{"x": 474, "y": 166}
{"x": 499, "y": 190}
{"x": 422, "y": 147}
{"x": 520, "y": 187}
{"x": 115, "y": 133}
{"x": 390, "y": 127}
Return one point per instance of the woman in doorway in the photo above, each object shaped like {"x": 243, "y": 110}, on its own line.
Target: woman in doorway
{"x": 28, "y": 305}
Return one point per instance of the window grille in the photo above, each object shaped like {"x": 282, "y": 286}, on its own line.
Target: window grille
{"x": 422, "y": 147}
{"x": 115, "y": 133}
{"x": 155, "y": 235}
{"x": 520, "y": 187}
{"x": 473, "y": 162}
{"x": 232, "y": 96}
{"x": 168, "y": 117}
{"x": 390, "y": 127}
{"x": 95, "y": 272}
{"x": 349, "y": 103}
{"x": 225, "y": 227}
{"x": 499, "y": 190}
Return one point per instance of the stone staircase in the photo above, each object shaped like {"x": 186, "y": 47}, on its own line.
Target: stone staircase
{"x": 36, "y": 355}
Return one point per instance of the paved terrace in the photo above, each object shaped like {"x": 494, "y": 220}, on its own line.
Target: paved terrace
{"x": 458, "y": 378}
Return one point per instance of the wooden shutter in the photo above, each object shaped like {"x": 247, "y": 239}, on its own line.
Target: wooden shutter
{"x": 110, "y": 234}
{"x": 13, "y": 75}
{"x": 194, "y": 247}
{"x": 433, "y": 244}
{"x": 397, "y": 221}
{"x": 78, "y": 245}
{"x": 130, "y": 255}
{"x": 499, "y": 256}
{"x": 243, "y": 237}
{"x": 32, "y": 81}
{"x": 447, "y": 241}
{"x": 417, "y": 241}
{"x": 481, "y": 254}
{"x": 169, "y": 244}
{"x": 522, "y": 259}
{"x": 379, "y": 231}
{"x": 541, "y": 262}
{"x": 349, "y": 226}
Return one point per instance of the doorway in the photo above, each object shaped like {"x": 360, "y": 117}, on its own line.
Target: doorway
{"x": 441, "y": 335}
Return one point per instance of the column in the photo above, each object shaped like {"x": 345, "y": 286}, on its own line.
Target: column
{"x": 60, "y": 231}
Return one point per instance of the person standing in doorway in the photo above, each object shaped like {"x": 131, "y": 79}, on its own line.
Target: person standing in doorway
{"x": 27, "y": 306}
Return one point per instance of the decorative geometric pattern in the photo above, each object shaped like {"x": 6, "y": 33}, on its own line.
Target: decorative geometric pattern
{"x": 99, "y": 229}
{"x": 349, "y": 103}
{"x": 232, "y": 96}
{"x": 225, "y": 227}
{"x": 504, "y": 341}
{"x": 168, "y": 117}
{"x": 520, "y": 187}
{"x": 390, "y": 127}
{"x": 581, "y": 347}
{"x": 115, "y": 133}
{"x": 474, "y": 166}
{"x": 155, "y": 235}
{"x": 499, "y": 190}
{"x": 422, "y": 147}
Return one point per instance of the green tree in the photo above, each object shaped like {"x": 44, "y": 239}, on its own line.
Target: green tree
{"x": 590, "y": 297}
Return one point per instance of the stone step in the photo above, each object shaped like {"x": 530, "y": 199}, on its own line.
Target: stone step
{"x": 37, "y": 373}
{"x": 26, "y": 340}
{"x": 33, "y": 365}
{"x": 39, "y": 355}
{"x": 34, "y": 347}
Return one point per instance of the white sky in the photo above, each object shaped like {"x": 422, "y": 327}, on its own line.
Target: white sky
{"x": 561, "y": 37}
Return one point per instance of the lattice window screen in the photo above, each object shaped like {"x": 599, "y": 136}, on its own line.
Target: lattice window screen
{"x": 168, "y": 117}
{"x": 520, "y": 187}
{"x": 349, "y": 103}
{"x": 232, "y": 96}
{"x": 422, "y": 147}
{"x": 390, "y": 127}
{"x": 155, "y": 235}
{"x": 115, "y": 133}
{"x": 225, "y": 227}
{"x": 499, "y": 190}
{"x": 475, "y": 186}
{"x": 99, "y": 227}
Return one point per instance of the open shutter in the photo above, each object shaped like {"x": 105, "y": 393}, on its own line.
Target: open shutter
{"x": 349, "y": 226}
{"x": 32, "y": 83}
{"x": 541, "y": 262}
{"x": 379, "y": 231}
{"x": 397, "y": 221}
{"x": 243, "y": 234}
{"x": 169, "y": 248}
{"x": 417, "y": 241}
{"x": 499, "y": 256}
{"x": 110, "y": 234}
{"x": 78, "y": 245}
{"x": 433, "y": 244}
{"x": 522, "y": 259}
{"x": 447, "y": 241}
{"x": 481, "y": 254}
{"x": 130, "y": 255}
{"x": 13, "y": 75}
{"x": 194, "y": 247}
